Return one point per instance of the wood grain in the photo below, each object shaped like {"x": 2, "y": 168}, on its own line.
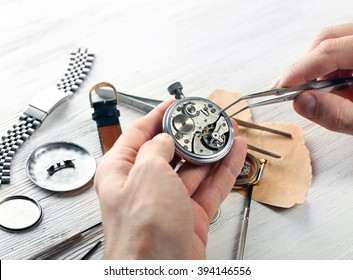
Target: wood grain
{"x": 142, "y": 47}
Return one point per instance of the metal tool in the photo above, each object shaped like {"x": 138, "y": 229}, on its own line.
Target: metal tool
{"x": 146, "y": 105}
{"x": 58, "y": 247}
{"x": 244, "y": 226}
{"x": 92, "y": 250}
{"x": 249, "y": 176}
{"x": 282, "y": 92}
{"x": 263, "y": 128}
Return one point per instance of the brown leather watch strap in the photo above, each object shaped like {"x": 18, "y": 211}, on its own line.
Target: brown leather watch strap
{"x": 106, "y": 116}
{"x": 108, "y": 135}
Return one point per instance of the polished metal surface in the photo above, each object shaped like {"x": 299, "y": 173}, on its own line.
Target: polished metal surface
{"x": 249, "y": 176}
{"x": 39, "y": 108}
{"x": 64, "y": 179}
{"x": 19, "y": 213}
{"x": 201, "y": 134}
{"x": 293, "y": 91}
{"x": 12, "y": 141}
{"x": 142, "y": 48}
{"x": 80, "y": 64}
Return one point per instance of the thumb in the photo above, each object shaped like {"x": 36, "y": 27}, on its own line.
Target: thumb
{"x": 326, "y": 109}
{"x": 162, "y": 145}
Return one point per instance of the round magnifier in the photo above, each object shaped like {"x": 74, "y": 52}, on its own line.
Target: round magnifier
{"x": 19, "y": 213}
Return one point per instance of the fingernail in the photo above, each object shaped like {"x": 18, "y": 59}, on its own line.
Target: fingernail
{"x": 306, "y": 103}
{"x": 276, "y": 83}
{"x": 162, "y": 136}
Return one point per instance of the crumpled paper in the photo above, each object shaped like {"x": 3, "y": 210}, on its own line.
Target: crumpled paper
{"x": 285, "y": 181}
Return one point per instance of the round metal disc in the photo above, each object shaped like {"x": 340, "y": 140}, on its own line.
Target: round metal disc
{"x": 183, "y": 124}
{"x": 19, "y": 213}
{"x": 48, "y": 167}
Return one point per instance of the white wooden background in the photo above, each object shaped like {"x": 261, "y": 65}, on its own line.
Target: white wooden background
{"x": 142, "y": 47}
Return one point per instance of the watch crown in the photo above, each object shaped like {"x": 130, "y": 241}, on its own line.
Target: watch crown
{"x": 176, "y": 90}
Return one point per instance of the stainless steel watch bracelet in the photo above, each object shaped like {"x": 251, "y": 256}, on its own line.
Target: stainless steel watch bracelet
{"x": 40, "y": 107}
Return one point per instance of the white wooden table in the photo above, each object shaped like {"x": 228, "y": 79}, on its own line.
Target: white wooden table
{"x": 142, "y": 47}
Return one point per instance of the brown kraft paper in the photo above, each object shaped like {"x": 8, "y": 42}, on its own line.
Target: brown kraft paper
{"x": 285, "y": 181}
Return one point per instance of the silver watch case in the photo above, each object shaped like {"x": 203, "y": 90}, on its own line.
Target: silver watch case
{"x": 201, "y": 133}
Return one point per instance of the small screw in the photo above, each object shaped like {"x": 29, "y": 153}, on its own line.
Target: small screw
{"x": 178, "y": 135}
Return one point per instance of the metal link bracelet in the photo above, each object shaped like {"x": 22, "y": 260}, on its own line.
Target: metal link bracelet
{"x": 40, "y": 107}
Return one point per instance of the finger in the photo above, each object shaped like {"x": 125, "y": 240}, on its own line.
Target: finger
{"x": 144, "y": 129}
{"x": 162, "y": 145}
{"x": 121, "y": 157}
{"x": 218, "y": 185}
{"x": 152, "y": 162}
{"x": 331, "y": 32}
{"x": 152, "y": 169}
{"x": 340, "y": 73}
{"x": 126, "y": 147}
{"x": 192, "y": 175}
{"x": 345, "y": 92}
{"x": 328, "y": 56}
{"x": 318, "y": 107}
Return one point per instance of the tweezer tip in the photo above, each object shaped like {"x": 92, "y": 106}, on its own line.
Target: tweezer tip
{"x": 231, "y": 104}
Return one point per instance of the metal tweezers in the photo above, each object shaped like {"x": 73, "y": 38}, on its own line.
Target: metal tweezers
{"x": 147, "y": 104}
{"x": 293, "y": 93}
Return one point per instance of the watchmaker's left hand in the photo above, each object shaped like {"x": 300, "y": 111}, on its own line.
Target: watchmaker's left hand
{"x": 148, "y": 210}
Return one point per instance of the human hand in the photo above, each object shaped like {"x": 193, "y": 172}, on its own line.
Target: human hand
{"x": 149, "y": 211}
{"x": 331, "y": 56}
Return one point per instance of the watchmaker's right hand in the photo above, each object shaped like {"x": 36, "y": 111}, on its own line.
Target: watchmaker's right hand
{"x": 331, "y": 56}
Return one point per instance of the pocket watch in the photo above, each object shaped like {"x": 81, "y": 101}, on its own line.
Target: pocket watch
{"x": 201, "y": 132}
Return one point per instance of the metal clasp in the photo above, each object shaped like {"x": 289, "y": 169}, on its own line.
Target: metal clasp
{"x": 45, "y": 102}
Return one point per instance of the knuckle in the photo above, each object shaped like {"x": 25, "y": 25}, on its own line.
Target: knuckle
{"x": 146, "y": 164}
{"x": 148, "y": 149}
{"x": 344, "y": 117}
{"x": 328, "y": 47}
{"x": 333, "y": 121}
{"x": 340, "y": 119}
{"x": 325, "y": 32}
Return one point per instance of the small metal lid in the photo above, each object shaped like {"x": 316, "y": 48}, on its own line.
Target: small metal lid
{"x": 19, "y": 213}
{"x": 60, "y": 166}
